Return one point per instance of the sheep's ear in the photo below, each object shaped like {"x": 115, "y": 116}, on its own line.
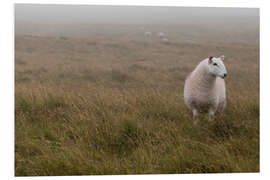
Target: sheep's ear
{"x": 210, "y": 60}
{"x": 222, "y": 57}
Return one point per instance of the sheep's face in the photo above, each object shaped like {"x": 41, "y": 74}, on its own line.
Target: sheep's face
{"x": 217, "y": 67}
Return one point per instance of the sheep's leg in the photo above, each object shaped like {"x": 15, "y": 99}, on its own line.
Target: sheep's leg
{"x": 222, "y": 106}
{"x": 195, "y": 116}
{"x": 211, "y": 114}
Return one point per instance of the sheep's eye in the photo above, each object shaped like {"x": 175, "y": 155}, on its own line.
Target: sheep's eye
{"x": 215, "y": 64}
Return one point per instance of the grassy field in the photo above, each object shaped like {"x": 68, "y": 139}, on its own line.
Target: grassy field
{"x": 113, "y": 104}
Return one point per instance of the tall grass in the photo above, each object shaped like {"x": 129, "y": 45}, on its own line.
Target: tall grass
{"x": 113, "y": 113}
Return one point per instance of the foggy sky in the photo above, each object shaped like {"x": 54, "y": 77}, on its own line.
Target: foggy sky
{"x": 128, "y": 14}
{"x": 238, "y": 24}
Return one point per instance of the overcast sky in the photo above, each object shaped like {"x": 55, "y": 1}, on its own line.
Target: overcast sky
{"x": 66, "y": 13}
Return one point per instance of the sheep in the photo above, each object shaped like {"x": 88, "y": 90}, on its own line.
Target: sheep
{"x": 165, "y": 40}
{"x": 148, "y": 33}
{"x": 161, "y": 34}
{"x": 204, "y": 89}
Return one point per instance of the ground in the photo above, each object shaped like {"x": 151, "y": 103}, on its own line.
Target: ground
{"x": 113, "y": 103}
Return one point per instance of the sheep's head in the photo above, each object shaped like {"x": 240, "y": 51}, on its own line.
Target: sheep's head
{"x": 217, "y": 67}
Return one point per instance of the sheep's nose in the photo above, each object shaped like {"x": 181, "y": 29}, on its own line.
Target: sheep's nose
{"x": 225, "y": 74}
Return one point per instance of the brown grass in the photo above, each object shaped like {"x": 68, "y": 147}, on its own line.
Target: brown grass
{"x": 115, "y": 106}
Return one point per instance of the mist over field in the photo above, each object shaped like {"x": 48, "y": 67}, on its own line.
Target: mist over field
{"x": 81, "y": 20}
{"x": 94, "y": 94}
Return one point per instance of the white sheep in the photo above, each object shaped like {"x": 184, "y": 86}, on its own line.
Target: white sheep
{"x": 165, "y": 40}
{"x": 161, "y": 34}
{"x": 148, "y": 33}
{"x": 204, "y": 89}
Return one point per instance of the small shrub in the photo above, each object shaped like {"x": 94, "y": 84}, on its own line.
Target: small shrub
{"x": 53, "y": 102}
{"x": 20, "y": 62}
{"x": 63, "y": 38}
{"x": 120, "y": 77}
{"x": 127, "y": 140}
{"x": 23, "y": 104}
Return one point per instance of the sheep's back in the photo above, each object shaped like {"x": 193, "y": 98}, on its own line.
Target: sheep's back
{"x": 199, "y": 97}
{"x": 196, "y": 96}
